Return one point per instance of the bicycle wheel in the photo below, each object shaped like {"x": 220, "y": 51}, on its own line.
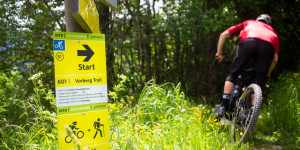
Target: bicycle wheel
{"x": 242, "y": 125}
{"x": 80, "y": 134}
{"x": 68, "y": 139}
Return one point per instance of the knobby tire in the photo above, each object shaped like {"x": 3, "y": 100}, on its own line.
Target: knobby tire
{"x": 250, "y": 124}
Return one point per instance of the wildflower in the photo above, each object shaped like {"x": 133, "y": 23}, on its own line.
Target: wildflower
{"x": 40, "y": 83}
{"x": 112, "y": 106}
{"x": 35, "y": 76}
{"x": 209, "y": 121}
{"x": 131, "y": 97}
{"x": 270, "y": 101}
{"x": 208, "y": 134}
{"x": 148, "y": 133}
{"x": 241, "y": 133}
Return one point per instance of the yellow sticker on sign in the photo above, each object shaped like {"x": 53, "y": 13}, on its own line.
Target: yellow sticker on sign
{"x": 90, "y": 128}
{"x": 81, "y": 90}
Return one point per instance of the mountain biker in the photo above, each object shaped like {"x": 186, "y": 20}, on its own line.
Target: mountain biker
{"x": 258, "y": 42}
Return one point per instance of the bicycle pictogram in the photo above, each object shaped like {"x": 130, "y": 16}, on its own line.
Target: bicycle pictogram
{"x": 79, "y": 134}
{"x": 59, "y": 45}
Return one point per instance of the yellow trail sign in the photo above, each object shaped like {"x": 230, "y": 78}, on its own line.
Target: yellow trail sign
{"x": 81, "y": 90}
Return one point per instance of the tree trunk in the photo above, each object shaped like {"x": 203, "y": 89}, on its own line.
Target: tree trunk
{"x": 71, "y": 24}
{"x": 105, "y": 24}
{"x": 211, "y": 72}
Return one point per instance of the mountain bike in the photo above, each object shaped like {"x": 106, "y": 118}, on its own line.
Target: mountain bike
{"x": 245, "y": 105}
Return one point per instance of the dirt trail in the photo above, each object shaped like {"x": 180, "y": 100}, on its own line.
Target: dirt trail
{"x": 267, "y": 146}
{"x": 258, "y": 146}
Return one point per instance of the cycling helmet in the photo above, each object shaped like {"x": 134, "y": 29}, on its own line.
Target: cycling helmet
{"x": 265, "y": 18}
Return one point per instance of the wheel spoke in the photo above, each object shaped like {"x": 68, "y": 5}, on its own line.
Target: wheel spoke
{"x": 243, "y": 123}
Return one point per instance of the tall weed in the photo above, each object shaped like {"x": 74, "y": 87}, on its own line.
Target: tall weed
{"x": 162, "y": 118}
{"x": 37, "y": 131}
{"x": 280, "y": 117}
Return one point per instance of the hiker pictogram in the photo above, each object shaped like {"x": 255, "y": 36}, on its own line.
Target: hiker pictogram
{"x": 79, "y": 134}
{"x": 97, "y": 126}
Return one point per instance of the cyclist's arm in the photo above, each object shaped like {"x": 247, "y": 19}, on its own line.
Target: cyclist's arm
{"x": 223, "y": 36}
{"x": 274, "y": 62}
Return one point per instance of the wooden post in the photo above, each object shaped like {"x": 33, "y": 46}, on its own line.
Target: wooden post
{"x": 71, "y": 24}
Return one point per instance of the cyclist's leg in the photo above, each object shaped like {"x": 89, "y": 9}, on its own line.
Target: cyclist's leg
{"x": 262, "y": 61}
{"x": 243, "y": 54}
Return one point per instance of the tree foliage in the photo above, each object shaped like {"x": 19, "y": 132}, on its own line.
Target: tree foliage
{"x": 171, "y": 41}
{"x": 175, "y": 42}
{"x": 26, "y": 35}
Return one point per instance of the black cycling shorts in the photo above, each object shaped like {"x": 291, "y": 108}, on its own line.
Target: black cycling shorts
{"x": 257, "y": 52}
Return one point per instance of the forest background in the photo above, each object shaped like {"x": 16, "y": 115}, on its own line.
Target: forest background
{"x": 169, "y": 41}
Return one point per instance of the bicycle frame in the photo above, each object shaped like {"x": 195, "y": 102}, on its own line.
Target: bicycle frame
{"x": 245, "y": 114}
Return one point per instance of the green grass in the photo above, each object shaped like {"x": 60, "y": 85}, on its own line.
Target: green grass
{"x": 37, "y": 128}
{"x": 160, "y": 117}
{"x": 163, "y": 119}
{"x": 280, "y": 115}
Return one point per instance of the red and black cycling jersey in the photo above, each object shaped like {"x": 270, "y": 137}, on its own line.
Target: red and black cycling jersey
{"x": 256, "y": 29}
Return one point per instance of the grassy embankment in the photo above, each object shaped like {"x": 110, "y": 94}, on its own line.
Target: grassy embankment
{"x": 161, "y": 117}
{"x": 280, "y": 114}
